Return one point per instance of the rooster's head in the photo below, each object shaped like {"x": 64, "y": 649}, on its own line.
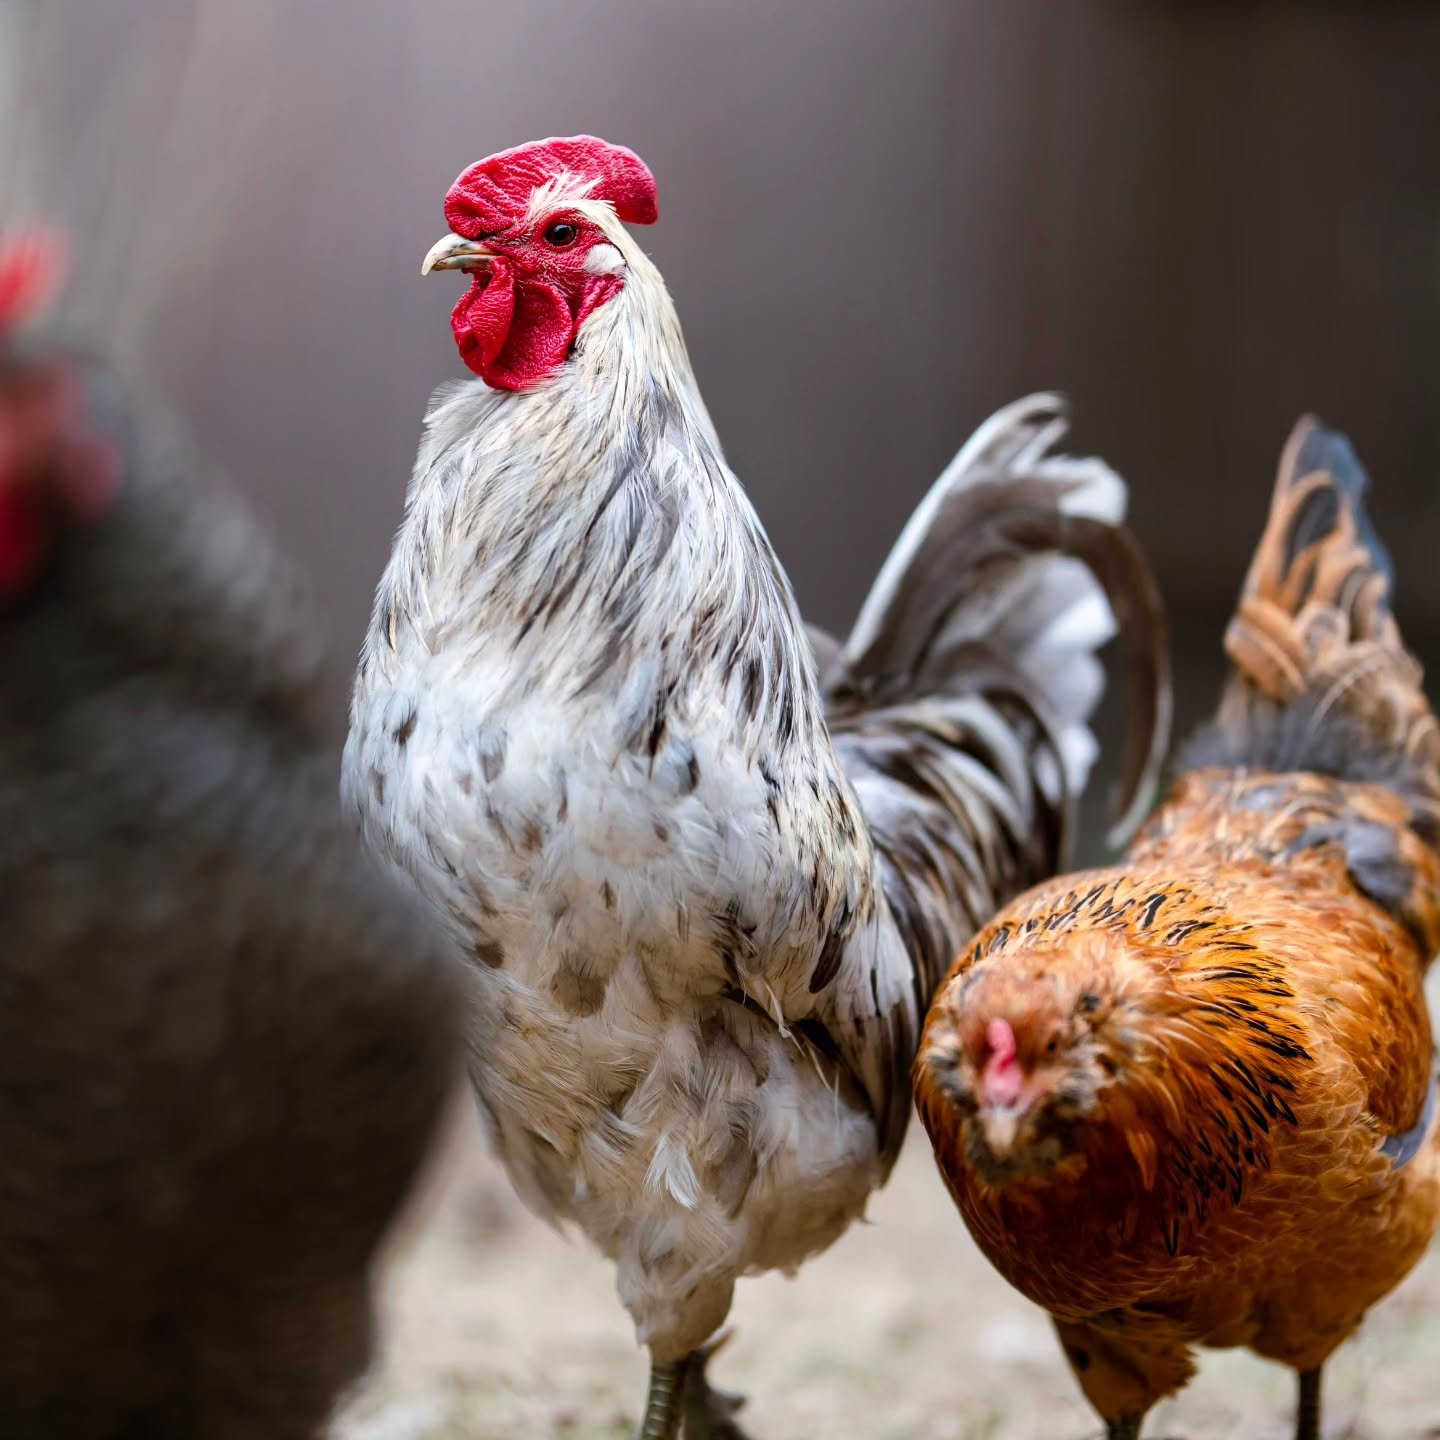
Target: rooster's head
{"x": 537, "y": 230}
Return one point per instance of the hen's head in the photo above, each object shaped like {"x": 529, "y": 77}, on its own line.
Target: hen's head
{"x": 51, "y": 470}
{"x": 536, "y": 228}
{"x": 1025, "y": 1053}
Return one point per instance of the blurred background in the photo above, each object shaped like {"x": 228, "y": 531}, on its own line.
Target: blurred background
{"x": 880, "y": 221}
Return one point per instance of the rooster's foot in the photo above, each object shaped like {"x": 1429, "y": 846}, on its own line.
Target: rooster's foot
{"x": 709, "y": 1414}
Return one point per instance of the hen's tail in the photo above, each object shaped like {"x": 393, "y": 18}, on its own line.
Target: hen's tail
{"x": 1322, "y": 680}
{"x": 960, "y": 703}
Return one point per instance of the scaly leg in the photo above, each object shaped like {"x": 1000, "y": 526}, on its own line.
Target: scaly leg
{"x": 709, "y": 1414}
{"x": 1307, "y": 1416}
{"x": 1125, "y": 1362}
{"x": 662, "y": 1405}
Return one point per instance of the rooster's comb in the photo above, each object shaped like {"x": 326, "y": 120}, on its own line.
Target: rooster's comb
{"x": 494, "y": 193}
{"x": 32, "y": 266}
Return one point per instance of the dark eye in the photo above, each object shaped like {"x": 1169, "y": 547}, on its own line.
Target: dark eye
{"x": 561, "y": 234}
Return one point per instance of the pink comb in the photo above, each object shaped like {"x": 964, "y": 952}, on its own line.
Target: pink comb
{"x": 492, "y": 194}
{"x": 1003, "y": 1079}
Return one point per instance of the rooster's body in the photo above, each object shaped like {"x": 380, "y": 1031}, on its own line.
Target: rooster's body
{"x": 705, "y": 899}
{"x": 1191, "y": 1100}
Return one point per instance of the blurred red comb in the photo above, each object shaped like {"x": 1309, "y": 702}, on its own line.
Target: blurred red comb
{"x": 32, "y": 267}
{"x": 493, "y": 193}
{"x": 44, "y": 450}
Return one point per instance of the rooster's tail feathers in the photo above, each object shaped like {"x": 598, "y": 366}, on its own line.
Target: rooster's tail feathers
{"x": 1010, "y": 575}
{"x": 1322, "y": 680}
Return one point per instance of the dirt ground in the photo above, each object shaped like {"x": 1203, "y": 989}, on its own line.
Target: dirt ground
{"x": 498, "y": 1328}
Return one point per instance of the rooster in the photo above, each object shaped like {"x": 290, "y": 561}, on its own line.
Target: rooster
{"x": 1191, "y": 1100}
{"x": 223, "y": 1037}
{"x": 706, "y": 874}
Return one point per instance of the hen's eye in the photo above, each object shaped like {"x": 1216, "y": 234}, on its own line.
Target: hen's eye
{"x": 561, "y": 234}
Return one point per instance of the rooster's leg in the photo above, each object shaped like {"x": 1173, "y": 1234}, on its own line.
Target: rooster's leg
{"x": 709, "y": 1414}
{"x": 662, "y": 1405}
{"x": 1307, "y": 1417}
{"x": 1126, "y": 1429}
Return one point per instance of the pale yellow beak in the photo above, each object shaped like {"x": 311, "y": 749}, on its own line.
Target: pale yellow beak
{"x": 455, "y": 252}
{"x": 1001, "y": 1126}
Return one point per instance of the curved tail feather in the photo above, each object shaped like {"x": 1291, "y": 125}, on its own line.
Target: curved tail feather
{"x": 1017, "y": 559}
{"x": 960, "y": 702}
{"x": 1322, "y": 680}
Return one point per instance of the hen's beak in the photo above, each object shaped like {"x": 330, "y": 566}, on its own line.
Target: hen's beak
{"x": 1001, "y": 1125}
{"x": 455, "y": 252}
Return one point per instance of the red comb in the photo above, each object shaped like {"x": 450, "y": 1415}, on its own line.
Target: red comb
{"x": 493, "y": 193}
{"x": 46, "y": 453}
{"x": 32, "y": 266}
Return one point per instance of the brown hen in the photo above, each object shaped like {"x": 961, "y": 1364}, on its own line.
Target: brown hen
{"x": 1191, "y": 1100}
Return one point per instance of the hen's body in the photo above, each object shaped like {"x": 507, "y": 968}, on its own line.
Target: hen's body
{"x": 1291, "y": 1102}
{"x": 1245, "y": 1150}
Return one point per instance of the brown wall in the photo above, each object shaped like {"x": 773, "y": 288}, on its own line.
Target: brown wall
{"x": 880, "y": 221}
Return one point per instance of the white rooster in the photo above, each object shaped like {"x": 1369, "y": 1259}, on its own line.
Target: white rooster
{"x": 708, "y": 868}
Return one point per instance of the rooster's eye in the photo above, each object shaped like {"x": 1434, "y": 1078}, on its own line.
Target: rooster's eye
{"x": 561, "y": 234}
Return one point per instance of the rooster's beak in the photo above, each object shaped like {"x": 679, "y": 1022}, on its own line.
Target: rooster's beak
{"x": 455, "y": 252}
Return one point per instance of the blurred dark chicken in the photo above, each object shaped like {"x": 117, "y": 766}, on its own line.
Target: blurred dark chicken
{"x": 222, "y": 1036}
{"x": 1191, "y": 1100}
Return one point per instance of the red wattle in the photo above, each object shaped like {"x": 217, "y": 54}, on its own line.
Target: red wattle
{"x": 512, "y": 334}
{"x": 1002, "y": 1083}
{"x": 482, "y": 318}
{"x": 540, "y": 338}
{"x": 22, "y": 539}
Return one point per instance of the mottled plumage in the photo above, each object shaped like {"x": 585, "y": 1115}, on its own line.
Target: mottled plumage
{"x": 1222, "y": 1131}
{"x": 706, "y": 898}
